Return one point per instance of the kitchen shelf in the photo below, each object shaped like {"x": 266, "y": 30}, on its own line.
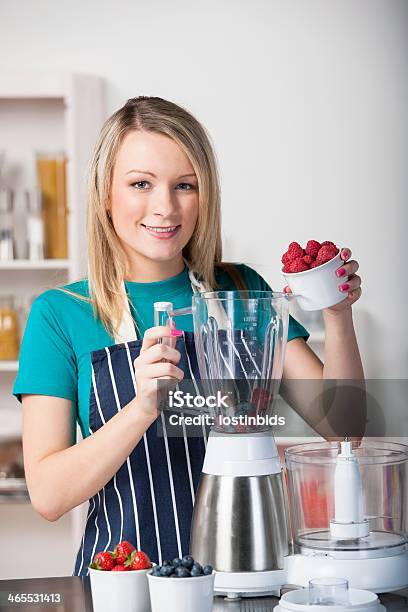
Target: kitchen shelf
{"x": 46, "y": 111}
{"x": 13, "y": 490}
{"x": 8, "y": 366}
{"x": 15, "y": 498}
{"x": 27, "y": 264}
{"x": 29, "y": 85}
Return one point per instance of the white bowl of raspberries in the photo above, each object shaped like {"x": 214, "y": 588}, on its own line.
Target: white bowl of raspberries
{"x": 311, "y": 274}
{"x": 119, "y": 580}
{"x": 181, "y": 585}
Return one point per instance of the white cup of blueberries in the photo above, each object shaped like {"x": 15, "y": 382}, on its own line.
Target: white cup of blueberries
{"x": 181, "y": 585}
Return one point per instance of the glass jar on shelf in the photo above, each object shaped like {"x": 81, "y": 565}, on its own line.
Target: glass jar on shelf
{"x": 7, "y": 244}
{"x": 35, "y": 225}
{"x": 9, "y": 329}
{"x": 51, "y": 175}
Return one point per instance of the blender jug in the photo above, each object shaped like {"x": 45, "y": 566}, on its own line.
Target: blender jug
{"x": 239, "y": 520}
{"x": 240, "y": 340}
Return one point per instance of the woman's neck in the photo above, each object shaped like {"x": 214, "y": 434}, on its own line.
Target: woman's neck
{"x": 146, "y": 270}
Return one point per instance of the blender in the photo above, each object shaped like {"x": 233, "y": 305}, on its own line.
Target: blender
{"x": 239, "y": 523}
{"x": 348, "y": 512}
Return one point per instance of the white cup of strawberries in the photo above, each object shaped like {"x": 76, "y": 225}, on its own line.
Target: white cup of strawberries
{"x": 311, "y": 274}
{"x": 120, "y": 576}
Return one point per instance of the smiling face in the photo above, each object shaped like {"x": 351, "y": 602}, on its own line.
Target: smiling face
{"x": 154, "y": 204}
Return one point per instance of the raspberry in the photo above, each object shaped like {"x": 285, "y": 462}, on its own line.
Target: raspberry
{"x": 298, "y": 265}
{"x": 326, "y": 253}
{"x": 329, "y": 243}
{"x": 314, "y": 264}
{"x": 294, "y": 251}
{"x": 285, "y": 259}
{"x": 307, "y": 259}
{"x": 286, "y": 268}
{"x": 312, "y": 248}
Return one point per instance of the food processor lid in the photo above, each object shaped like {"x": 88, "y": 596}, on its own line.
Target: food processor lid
{"x": 359, "y": 600}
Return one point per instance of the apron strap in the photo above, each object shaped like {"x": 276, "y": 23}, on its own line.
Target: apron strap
{"x": 215, "y": 308}
{"x": 127, "y": 331}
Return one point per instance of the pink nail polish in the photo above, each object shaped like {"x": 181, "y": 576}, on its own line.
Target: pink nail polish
{"x": 344, "y": 287}
{"x": 340, "y": 272}
{"x": 176, "y": 332}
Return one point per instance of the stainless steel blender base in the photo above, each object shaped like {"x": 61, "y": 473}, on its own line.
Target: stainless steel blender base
{"x": 239, "y": 523}
{"x": 249, "y": 584}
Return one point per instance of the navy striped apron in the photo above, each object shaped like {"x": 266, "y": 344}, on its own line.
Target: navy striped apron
{"x": 149, "y": 501}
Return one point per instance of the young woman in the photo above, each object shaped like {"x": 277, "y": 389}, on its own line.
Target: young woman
{"x": 153, "y": 235}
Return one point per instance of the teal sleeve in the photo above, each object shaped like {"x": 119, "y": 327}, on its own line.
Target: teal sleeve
{"x": 47, "y": 363}
{"x": 255, "y": 281}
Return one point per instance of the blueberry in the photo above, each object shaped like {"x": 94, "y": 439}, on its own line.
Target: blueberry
{"x": 196, "y": 570}
{"x": 182, "y": 572}
{"x": 187, "y": 562}
{"x": 156, "y": 571}
{"x": 176, "y": 562}
{"x": 166, "y": 570}
{"x": 167, "y": 563}
{"x": 207, "y": 570}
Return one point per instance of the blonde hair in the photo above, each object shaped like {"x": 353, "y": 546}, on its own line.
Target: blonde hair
{"x": 107, "y": 261}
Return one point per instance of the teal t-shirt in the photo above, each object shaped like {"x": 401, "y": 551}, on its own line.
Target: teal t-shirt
{"x": 62, "y": 332}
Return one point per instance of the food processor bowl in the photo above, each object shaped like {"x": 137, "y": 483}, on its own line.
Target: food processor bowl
{"x": 350, "y": 508}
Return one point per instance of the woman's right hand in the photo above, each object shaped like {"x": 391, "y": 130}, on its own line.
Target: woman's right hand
{"x": 156, "y": 361}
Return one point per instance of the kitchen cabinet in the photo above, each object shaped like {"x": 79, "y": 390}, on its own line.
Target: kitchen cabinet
{"x": 47, "y": 112}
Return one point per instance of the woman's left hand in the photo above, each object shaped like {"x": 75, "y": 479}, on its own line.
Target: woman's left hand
{"x": 351, "y": 287}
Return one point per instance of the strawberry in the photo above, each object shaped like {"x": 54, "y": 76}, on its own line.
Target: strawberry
{"x": 122, "y": 551}
{"x": 103, "y": 561}
{"x": 138, "y": 560}
{"x": 119, "y": 568}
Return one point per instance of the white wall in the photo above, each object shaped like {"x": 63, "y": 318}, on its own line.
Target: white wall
{"x": 305, "y": 101}
{"x": 37, "y": 548}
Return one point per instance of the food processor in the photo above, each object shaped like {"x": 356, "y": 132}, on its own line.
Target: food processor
{"x": 239, "y": 523}
{"x": 348, "y": 513}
